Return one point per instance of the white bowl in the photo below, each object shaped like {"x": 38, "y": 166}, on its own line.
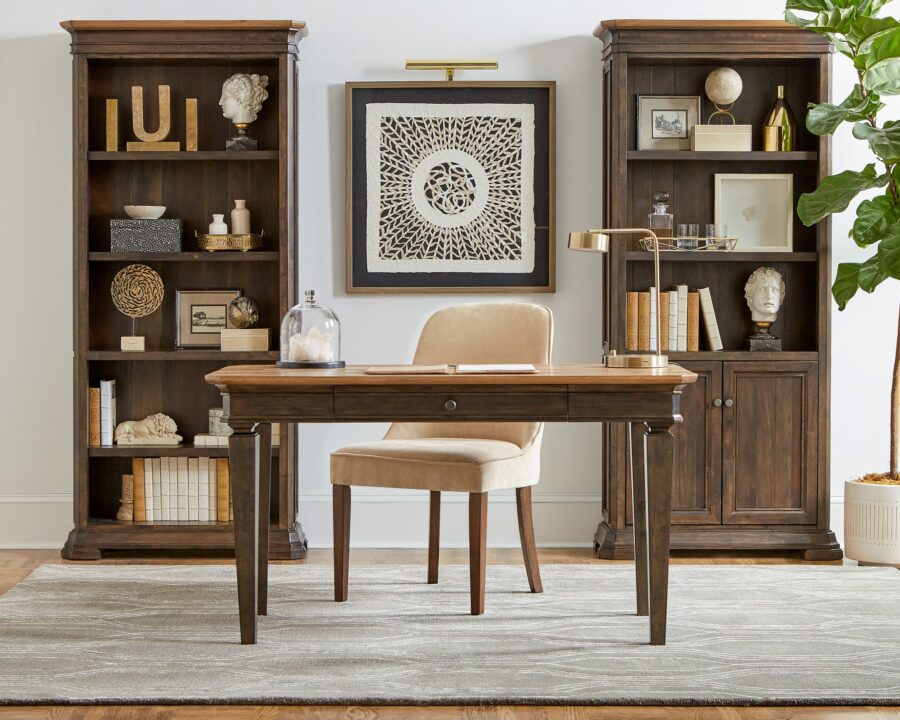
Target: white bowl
{"x": 145, "y": 212}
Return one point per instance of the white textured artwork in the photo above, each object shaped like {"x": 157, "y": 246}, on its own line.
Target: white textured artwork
{"x": 450, "y": 187}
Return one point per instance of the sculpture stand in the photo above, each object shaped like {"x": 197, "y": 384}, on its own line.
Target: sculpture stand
{"x": 763, "y": 341}
{"x": 132, "y": 343}
{"x": 241, "y": 141}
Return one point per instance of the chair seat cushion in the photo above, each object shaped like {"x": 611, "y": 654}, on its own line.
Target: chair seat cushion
{"x": 447, "y": 464}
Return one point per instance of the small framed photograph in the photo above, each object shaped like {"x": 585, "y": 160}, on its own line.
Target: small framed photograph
{"x": 201, "y": 315}
{"x": 665, "y": 121}
{"x": 758, "y": 210}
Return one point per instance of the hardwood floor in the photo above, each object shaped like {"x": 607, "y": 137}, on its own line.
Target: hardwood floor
{"x": 16, "y": 565}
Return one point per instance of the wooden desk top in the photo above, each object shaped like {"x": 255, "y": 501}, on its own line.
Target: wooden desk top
{"x": 269, "y": 376}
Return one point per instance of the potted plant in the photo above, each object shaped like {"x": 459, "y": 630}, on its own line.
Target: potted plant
{"x": 872, "y": 43}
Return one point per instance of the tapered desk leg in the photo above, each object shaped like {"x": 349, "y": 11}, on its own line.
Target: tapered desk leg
{"x": 243, "y": 453}
{"x": 660, "y": 456}
{"x": 265, "y": 488}
{"x": 637, "y": 455}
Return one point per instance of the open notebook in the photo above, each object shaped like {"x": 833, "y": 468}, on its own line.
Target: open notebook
{"x": 488, "y": 369}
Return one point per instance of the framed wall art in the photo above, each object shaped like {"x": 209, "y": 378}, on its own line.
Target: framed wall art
{"x": 758, "y": 210}
{"x": 200, "y": 317}
{"x": 450, "y": 187}
{"x": 664, "y": 122}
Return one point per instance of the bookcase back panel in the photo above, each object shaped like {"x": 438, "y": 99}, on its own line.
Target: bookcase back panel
{"x": 259, "y": 280}
{"x": 203, "y": 82}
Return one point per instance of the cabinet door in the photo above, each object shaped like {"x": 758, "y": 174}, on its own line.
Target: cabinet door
{"x": 769, "y": 435}
{"x": 697, "y": 483}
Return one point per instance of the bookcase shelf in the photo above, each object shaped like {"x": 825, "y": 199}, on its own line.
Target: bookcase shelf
{"x": 183, "y": 356}
{"x": 199, "y": 155}
{"x": 745, "y": 156}
{"x": 153, "y": 451}
{"x": 740, "y": 355}
{"x": 162, "y": 526}
{"x": 721, "y": 256}
{"x": 202, "y": 257}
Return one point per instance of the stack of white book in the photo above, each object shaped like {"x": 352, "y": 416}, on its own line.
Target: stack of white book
{"x": 107, "y": 411}
{"x": 187, "y": 489}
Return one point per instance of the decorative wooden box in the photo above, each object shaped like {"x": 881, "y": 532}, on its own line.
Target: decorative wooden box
{"x": 161, "y": 235}
{"x": 735, "y": 138}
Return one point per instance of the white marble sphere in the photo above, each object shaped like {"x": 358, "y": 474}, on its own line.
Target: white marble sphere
{"x": 723, "y": 86}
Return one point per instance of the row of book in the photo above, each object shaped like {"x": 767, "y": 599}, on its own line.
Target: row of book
{"x": 181, "y": 488}
{"x": 680, "y": 310}
{"x": 102, "y": 413}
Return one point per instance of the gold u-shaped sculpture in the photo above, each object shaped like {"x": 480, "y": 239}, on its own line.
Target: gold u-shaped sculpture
{"x": 154, "y": 140}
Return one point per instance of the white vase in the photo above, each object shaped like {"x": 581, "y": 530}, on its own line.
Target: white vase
{"x": 872, "y": 523}
{"x": 218, "y": 226}
{"x": 240, "y": 218}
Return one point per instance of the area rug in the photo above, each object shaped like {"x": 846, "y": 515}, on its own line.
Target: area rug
{"x": 737, "y": 635}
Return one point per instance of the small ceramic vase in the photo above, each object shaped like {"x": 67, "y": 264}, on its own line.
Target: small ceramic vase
{"x": 240, "y": 218}
{"x": 218, "y": 226}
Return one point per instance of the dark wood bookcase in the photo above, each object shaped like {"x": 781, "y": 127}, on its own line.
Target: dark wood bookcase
{"x": 194, "y": 58}
{"x": 752, "y": 454}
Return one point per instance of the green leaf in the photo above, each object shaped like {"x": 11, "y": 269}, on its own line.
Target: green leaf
{"x": 881, "y": 53}
{"x": 824, "y": 118}
{"x": 863, "y": 28}
{"x": 871, "y": 274}
{"x": 883, "y": 141}
{"x": 833, "y": 20}
{"x": 889, "y": 252}
{"x": 873, "y": 218}
{"x": 846, "y": 283}
{"x": 835, "y": 193}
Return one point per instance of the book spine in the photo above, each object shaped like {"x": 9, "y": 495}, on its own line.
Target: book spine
{"x": 94, "y": 417}
{"x": 222, "y": 490}
{"x": 693, "y": 329}
{"x": 644, "y": 321}
{"x": 182, "y": 488}
{"x": 164, "y": 488}
{"x": 664, "y": 320}
{"x": 193, "y": 489}
{"x": 140, "y": 507}
{"x": 107, "y": 411}
{"x": 709, "y": 320}
{"x": 653, "y": 338}
{"x": 682, "y": 317}
{"x": 148, "y": 489}
{"x": 157, "y": 489}
{"x": 203, "y": 490}
{"x": 673, "y": 321}
{"x": 173, "y": 488}
{"x": 631, "y": 321}
{"x": 213, "y": 490}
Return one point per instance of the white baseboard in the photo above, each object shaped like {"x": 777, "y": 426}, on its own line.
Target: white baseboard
{"x": 34, "y": 521}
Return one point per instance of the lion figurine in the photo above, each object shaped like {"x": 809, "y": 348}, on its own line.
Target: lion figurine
{"x": 155, "y": 429}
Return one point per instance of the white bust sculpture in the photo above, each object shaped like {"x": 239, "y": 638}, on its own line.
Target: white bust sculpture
{"x": 243, "y": 96}
{"x": 155, "y": 429}
{"x": 764, "y": 292}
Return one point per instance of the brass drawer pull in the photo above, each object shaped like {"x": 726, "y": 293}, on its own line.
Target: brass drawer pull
{"x": 729, "y": 402}
{"x": 717, "y": 402}
{"x": 450, "y": 405}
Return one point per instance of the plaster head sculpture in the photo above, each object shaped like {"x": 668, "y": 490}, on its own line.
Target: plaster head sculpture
{"x": 764, "y": 292}
{"x": 243, "y": 96}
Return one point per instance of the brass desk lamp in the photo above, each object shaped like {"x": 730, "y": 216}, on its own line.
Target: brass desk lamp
{"x": 598, "y": 241}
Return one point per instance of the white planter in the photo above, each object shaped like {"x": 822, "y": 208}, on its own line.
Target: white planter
{"x": 872, "y": 523}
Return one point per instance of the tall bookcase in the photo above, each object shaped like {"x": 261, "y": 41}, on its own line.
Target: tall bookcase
{"x": 752, "y": 453}
{"x": 194, "y": 58}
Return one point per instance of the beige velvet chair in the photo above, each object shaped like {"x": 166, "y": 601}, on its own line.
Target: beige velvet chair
{"x": 472, "y": 457}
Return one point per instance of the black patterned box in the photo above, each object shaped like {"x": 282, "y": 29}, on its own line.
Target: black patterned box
{"x": 162, "y": 235}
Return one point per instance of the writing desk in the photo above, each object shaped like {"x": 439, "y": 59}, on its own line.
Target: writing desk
{"x": 254, "y": 396}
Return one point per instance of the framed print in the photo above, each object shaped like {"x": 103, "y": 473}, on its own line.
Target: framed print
{"x": 200, "y": 317}
{"x": 664, "y": 122}
{"x": 758, "y": 210}
{"x": 450, "y": 187}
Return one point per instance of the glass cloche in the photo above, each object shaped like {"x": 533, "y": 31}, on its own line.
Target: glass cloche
{"x": 310, "y": 336}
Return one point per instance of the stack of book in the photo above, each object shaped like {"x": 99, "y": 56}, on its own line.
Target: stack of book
{"x": 195, "y": 489}
{"x": 681, "y": 310}
{"x": 102, "y": 414}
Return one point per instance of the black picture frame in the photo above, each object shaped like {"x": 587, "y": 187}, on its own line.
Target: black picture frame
{"x": 541, "y": 96}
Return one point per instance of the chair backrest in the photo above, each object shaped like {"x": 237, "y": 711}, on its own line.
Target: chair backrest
{"x": 496, "y": 332}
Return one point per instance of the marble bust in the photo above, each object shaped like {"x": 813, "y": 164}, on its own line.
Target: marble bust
{"x": 243, "y": 96}
{"x": 155, "y": 429}
{"x": 764, "y": 292}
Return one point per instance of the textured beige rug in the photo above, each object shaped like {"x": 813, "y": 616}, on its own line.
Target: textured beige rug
{"x": 737, "y": 635}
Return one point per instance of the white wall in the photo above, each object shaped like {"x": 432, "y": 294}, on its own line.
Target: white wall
{"x": 356, "y": 40}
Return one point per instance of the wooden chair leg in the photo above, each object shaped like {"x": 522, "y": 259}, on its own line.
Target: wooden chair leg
{"x": 341, "y": 512}
{"x": 477, "y": 549}
{"x": 526, "y": 536}
{"x": 434, "y": 536}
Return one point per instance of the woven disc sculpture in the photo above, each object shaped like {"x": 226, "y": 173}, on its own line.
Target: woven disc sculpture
{"x": 137, "y": 291}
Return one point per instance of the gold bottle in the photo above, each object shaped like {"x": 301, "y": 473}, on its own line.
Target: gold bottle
{"x": 780, "y": 130}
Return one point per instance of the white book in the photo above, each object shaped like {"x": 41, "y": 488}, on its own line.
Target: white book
{"x": 182, "y": 488}
{"x": 107, "y": 411}
{"x": 164, "y": 488}
{"x": 148, "y": 489}
{"x": 682, "y": 317}
{"x": 157, "y": 489}
{"x": 203, "y": 490}
{"x": 213, "y": 487}
{"x": 709, "y": 320}
{"x": 673, "y": 321}
{"x": 173, "y": 488}
{"x": 193, "y": 489}
{"x": 653, "y": 319}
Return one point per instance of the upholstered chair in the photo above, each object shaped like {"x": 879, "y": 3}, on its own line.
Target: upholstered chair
{"x": 472, "y": 457}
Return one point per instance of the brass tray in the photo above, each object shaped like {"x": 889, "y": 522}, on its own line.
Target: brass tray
{"x": 716, "y": 244}
{"x": 241, "y": 243}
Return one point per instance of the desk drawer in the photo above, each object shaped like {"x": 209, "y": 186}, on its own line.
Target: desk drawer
{"x": 450, "y": 404}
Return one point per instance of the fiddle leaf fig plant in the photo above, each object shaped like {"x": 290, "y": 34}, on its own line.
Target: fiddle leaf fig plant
{"x": 872, "y": 44}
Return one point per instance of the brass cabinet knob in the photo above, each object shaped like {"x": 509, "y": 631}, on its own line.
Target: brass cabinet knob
{"x": 717, "y": 402}
{"x": 450, "y": 405}
{"x": 729, "y": 402}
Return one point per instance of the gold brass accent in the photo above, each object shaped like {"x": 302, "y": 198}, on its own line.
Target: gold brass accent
{"x": 165, "y": 146}
{"x": 112, "y": 125}
{"x": 597, "y": 240}
{"x": 451, "y": 66}
{"x": 780, "y": 129}
{"x": 721, "y": 112}
{"x": 242, "y": 243}
{"x": 190, "y": 122}
{"x": 137, "y": 114}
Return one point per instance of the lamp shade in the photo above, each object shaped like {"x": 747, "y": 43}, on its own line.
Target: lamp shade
{"x": 590, "y": 241}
